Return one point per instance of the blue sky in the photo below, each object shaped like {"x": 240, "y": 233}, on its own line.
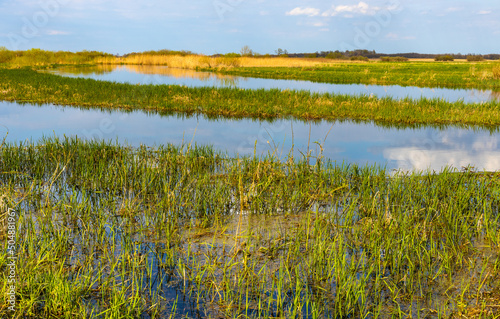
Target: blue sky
{"x": 220, "y": 26}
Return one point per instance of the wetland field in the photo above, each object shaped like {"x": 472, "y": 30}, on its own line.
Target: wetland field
{"x": 186, "y": 186}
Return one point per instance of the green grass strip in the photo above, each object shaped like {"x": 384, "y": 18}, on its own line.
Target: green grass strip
{"x": 484, "y": 75}
{"x": 26, "y": 85}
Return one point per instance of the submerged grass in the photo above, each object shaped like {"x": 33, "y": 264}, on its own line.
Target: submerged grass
{"x": 26, "y": 85}
{"x": 110, "y": 231}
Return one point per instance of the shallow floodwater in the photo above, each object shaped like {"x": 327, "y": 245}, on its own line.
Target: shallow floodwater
{"x": 141, "y": 74}
{"x": 362, "y": 143}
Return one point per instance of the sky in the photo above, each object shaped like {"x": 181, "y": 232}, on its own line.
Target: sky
{"x": 222, "y": 26}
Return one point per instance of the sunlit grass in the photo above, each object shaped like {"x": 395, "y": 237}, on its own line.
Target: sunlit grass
{"x": 458, "y": 74}
{"x": 25, "y": 85}
{"x": 200, "y": 61}
{"x": 421, "y": 74}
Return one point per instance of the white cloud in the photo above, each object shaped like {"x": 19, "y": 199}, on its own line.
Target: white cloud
{"x": 482, "y": 12}
{"x": 392, "y": 36}
{"x": 453, "y": 9}
{"x": 416, "y": 158}
{"x": 448, "y": 148}
{"x": 56, "y": 32}
{"x": 311, "y": 12}
{"x": 395, "y": 36}
{"x": 319, "y": 24}
{"x": 362, "y": 8}
{"x": 346, "y": 11}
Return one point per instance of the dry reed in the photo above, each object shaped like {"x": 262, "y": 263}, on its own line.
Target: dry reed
{"x": 200, "y": 61}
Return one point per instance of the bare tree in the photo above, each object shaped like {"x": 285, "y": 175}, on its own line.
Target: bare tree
{"x": 246, "y": 51}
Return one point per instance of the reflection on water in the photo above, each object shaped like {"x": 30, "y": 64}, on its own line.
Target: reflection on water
{"x": 362, "y": 143}
{"x": 153, "y": 74}
{"x": 454, "y": 147}
{"x": 149, "y": 74}
{"x": 495, "y": 95}
{"x": 225, "y": 80}
{"x": 86, "y": 70}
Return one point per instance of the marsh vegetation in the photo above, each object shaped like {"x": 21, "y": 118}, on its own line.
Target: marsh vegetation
{"x": 111, "y": 231}
{"x": 107, "y": 230}
{"x": 26, "y": 85}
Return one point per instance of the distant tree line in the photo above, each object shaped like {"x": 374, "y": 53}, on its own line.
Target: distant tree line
{"x": 161, "y": 52}
{"x": 339, "y": 55}
{"x": 35, "y": 56}
{"x": 374, "y": 55}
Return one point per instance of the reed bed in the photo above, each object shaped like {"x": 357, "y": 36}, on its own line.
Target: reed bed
{"x": 43, "y": 58}
{"x": 220, "y": 62}
{"x": 111, "y": 231}
{"x": 26, "y": 85}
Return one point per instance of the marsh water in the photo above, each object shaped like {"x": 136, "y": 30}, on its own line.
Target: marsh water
{"x": 147, "y": 74}
{"x": 420, "y": 148}
{"x": 363, "y": 143}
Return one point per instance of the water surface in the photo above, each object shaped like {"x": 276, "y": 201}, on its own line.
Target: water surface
{"x": 147, "y": 74}
{"x": 362, "y": 143}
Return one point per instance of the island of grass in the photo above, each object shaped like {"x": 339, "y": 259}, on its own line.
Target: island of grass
{"x": 27, "y": 85}
{"x": 472, "y": 72}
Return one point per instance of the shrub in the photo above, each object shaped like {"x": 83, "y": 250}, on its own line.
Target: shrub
{"x": 6, "y": 55}
{"x": 164, "y": 52}
{"x": 232, "y": 55}
{"x": 393, "y": 59}
{"x": 444, "y": 58}
{"x": 475, "y": 58}
{"x": 359, "y": 58}
{"x": 336, "y": 55}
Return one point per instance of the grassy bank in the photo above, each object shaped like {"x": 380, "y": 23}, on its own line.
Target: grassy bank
{"x": 109, "y": 231}
{"x": 484, "y": 75}
{"x": 26, "y": 85}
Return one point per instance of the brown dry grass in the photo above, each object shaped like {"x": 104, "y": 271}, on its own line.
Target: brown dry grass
{"x": 200, "y": 61}
{"x": 496, "y": 72}
{"x": 432, "y": 60}
{"x": 284, "y": 62}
